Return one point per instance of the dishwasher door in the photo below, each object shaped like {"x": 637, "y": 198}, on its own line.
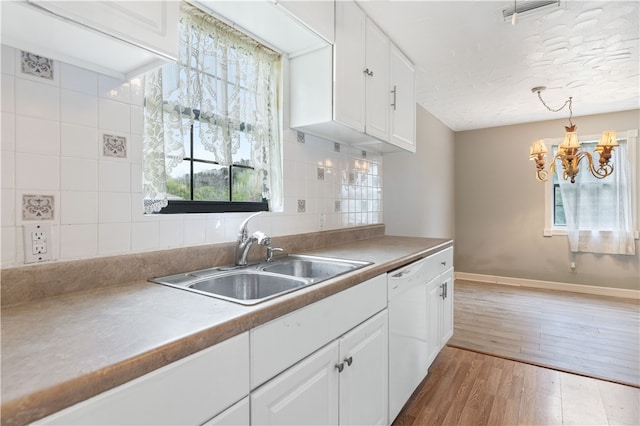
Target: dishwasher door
{"x": 408, "y": 345}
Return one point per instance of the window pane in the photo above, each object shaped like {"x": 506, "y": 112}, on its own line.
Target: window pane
{"x": 210, "y": 182}
{"x": 558, "y": 208}
{"x": 179, "y": 183}
{"x": 247, "y": 184}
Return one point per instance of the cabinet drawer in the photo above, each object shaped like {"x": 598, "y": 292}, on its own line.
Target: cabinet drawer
{"x": 188, "y": 391}
{"x": 279, "y": 344}
{"x": 437, "y": 263}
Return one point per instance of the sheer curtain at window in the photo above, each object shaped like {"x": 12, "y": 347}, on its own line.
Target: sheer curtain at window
{"x": 599, "y": 211}
{"x": 229, "y": 82}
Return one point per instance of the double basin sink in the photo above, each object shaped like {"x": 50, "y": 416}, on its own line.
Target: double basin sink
{"x": 252, "y": 284}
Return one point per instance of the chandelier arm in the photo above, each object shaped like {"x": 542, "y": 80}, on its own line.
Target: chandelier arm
{"x": 602, "y": 171}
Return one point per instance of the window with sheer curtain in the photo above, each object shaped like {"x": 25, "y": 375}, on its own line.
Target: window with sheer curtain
{"x": 598, "y": 214}
{"x": 211, "y": 123}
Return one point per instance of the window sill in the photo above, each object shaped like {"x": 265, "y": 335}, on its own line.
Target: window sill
{"x": 555, "y": 232}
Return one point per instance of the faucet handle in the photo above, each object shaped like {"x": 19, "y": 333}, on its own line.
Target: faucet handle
{"x": 270, "y": 251}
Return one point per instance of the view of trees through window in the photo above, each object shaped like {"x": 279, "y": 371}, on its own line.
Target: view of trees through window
{"x": 198, "y": 178}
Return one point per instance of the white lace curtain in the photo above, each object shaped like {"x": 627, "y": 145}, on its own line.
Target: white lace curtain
{"x": 599, "y": 212}
{"x": 229, "y": 82}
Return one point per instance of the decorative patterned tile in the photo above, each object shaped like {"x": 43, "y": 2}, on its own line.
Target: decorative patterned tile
{"x": 336, "y": 147}
{"x": 320, "y": 173}
{"x": 302, "y": 206}
{"x": 37, "y": 65}
{"x": 37, "y": 207}
{"x": 300, "y": 137}
{"x": 337, "y": 206}
{"x": 114, "y": 146}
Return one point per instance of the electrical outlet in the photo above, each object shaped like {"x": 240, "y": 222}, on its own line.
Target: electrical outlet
{"x": 37, "y": 242}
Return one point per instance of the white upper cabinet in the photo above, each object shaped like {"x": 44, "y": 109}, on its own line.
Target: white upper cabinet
{"x": 284, "y": 27}
{"x": 403, "y": 102}
{"x": 116, "y": 38}
{"x": 344, "y": 93}
{"x": 317, "y": 15}
{"x": 377, "y": 82}
{"x": 349, "y": 87}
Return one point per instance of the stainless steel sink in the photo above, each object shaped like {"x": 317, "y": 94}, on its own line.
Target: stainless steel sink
{"x": 247, "y": 287}
{"x": 312, "y": 267}
{"x": 252, "y": 284}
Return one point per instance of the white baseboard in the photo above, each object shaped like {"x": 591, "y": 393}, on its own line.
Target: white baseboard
{"x": 550, "y": 285}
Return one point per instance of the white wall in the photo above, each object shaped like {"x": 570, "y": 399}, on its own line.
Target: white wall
{"x": 418, "y": 188}
{"x": 500, "y": 208}
{"x": 52, "y": 145}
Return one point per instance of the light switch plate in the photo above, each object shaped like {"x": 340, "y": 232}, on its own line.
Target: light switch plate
{"x": 38, "y": 244}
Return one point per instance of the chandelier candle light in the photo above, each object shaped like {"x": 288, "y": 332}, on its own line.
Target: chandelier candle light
{"x": 569, "y": 150}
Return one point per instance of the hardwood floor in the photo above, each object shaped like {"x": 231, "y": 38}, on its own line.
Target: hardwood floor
{"x": 469, "y": 388}
{"x": 591, "y": 335}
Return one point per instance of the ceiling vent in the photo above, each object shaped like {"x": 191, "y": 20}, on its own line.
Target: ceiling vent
{"x": 526, "y": 8}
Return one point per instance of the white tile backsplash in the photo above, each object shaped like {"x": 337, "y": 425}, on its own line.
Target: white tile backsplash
{"x": 37, "y": 135}
{"x": 114, "y": 238}
{"x": 114, "y": 207}
{"x": 114, "y": 176}
{"x": 37, "y": 171}
{"x": 78, "y": 207}
{"x": 78, "y": 141}
{"x": 35, "y": 99}
{"x": 78, "y": 79}
{"x": 114, "y": 116}
{"x": 78, "y": 241}
{"x": 55, "y": 149}
{"x": 78, "y": 108}
{"x": 78, "y": 174}
{"x": 7, "y": 83}
{"x": 8, "y": 172}
{"x": 8, "y": 128}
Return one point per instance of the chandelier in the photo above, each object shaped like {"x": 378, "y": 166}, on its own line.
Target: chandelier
{"x": 569, "y": 150}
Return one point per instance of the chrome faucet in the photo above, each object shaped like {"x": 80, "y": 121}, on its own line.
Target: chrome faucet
{"x": 245, "y": 241}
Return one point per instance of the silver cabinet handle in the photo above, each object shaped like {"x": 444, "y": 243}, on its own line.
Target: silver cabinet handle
{"x": 444, "y": 263}
{"x": 340, "y": 367}
{"x": 368, "y": 72}
{"x": 349, "y": 361}
{"x": 394, "y": 91}
{"x": 446, "y": 289}
{"x": 442, "y": 293}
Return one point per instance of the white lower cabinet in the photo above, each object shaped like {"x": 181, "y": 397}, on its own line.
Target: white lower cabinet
{"x": 187, "y": 392}
{"x": 236, "y": 415}
{"x": 440, "y": 313}
{"x": 345, "y": 382}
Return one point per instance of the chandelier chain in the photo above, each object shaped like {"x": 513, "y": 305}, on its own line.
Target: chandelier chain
{"x": 568, "y": 101}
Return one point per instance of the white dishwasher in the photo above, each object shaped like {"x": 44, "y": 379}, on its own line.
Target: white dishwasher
{"x": 408, "y": 334}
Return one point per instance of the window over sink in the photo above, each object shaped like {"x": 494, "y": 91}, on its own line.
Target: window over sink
{"x": 212, "y": 139}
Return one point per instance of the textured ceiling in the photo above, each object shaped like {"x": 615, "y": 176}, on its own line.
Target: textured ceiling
{"x": 474, "y": 70}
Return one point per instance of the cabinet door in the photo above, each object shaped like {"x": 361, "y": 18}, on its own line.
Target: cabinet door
{"x": 307, "y": 393}
{"x": 447, "y": 308}
{"x": 349, "y": 66}
{"x": 403, "y": 102}
{"x": 236, "y": 415}
{"x": 377, "y": 82}
{"x": 434, "y": 318}
{"x": 188, "y": 391}
{"x": 364, "y": 379}
{"x": 318, "y": 15}
{"x": 151, "y": 25}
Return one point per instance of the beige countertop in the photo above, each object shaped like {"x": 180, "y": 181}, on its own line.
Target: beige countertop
{"x": 62, "y": 350}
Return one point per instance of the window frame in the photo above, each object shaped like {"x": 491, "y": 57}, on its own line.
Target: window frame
{"x": 175, "y": 206}
{"x": 631, "y": 136}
